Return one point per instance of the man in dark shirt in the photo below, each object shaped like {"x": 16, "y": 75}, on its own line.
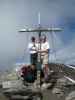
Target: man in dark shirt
{"x": 28, "y": 73}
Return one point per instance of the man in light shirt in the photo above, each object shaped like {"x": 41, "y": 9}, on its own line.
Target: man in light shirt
{"x": 45, "y": 56}
{"x": 33, "y": 51}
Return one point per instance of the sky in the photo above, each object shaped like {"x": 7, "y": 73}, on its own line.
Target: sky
{"x": 17, "y": 14}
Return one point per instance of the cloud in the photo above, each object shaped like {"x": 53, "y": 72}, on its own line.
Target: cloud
{"x": 66, "y": 54}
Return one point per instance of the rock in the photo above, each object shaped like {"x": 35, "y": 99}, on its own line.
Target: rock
{"x": 71, "y": 96}
{"x": 58, "y": 91}
{"x": 45, "y": 86}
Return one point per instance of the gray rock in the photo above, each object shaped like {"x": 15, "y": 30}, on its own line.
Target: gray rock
{"x": 71, "y": 96}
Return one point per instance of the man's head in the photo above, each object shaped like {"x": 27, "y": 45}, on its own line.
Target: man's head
{"x": 43, "y": 38}
{"x": 33, "y": 66}
{"x": 33, "y": 39}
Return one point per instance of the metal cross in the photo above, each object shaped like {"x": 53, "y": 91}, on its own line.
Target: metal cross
{"x": 39, "y": 30}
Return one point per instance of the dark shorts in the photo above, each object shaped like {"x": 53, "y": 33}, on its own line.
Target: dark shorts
{"x": 33, "y": 58}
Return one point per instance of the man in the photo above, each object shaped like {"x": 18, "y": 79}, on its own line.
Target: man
{"x": 33, "y": 51}
{"x": 28, "y": 73}
{"x": 45, "y": 56}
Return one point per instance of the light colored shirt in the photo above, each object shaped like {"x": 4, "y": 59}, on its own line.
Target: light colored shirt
{"x": 44, "y": 47}
{"x": 32, "y": 48}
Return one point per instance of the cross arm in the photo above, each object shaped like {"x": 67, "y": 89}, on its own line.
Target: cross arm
{"x": 40, "y": 29}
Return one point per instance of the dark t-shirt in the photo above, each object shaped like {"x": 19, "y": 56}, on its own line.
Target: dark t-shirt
{"x": 28, "y": 74}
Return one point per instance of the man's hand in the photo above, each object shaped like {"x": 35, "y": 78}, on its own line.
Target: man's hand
{"x": 42, "y": 51}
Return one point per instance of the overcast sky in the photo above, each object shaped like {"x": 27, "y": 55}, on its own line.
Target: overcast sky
{"x": 15, "y": 14}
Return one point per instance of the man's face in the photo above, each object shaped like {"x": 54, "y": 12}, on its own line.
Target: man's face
{"x": 43, "y": 39}
{"x": 33, "y": 39}
{"x": 32, "y": 67}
